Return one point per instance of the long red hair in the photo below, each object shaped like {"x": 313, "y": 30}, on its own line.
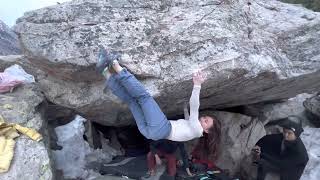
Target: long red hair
{"x": 209, "y": 144}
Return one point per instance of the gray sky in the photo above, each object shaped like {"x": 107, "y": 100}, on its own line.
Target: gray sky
{"x": 10, "y": 10}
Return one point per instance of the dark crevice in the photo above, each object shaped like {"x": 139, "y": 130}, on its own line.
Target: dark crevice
{"x": 127, "y": 139}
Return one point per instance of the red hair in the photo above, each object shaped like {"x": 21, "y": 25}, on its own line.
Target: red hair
{"x": 209, "y": 144}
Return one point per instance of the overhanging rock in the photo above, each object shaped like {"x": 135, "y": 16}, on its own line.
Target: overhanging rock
{"x": 260, "y": 52}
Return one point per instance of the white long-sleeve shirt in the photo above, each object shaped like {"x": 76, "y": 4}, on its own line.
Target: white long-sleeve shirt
{"x": 185, "y": 130}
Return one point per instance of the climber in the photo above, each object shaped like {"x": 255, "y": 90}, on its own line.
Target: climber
{"x": 283, "y": 154}
{"x": 151, "y": 121}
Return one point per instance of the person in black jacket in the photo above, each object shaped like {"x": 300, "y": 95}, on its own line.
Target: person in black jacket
{"x": 166, "y": 148}
{"x": 283, "y": 154}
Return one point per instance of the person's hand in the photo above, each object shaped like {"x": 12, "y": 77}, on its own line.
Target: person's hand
{"x": 256, "y": 150}
{"x": 158, "y": 159}
{"x": 188, "y": 172}
{"x": 199, "y": 77}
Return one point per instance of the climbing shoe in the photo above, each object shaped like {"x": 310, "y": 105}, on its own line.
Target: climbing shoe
{"x": 105, "y": 59}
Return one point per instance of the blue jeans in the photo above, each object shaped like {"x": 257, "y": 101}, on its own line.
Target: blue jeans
{"x": 151, "y": 121}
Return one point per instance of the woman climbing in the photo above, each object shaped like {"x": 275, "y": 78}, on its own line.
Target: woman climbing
{"x": 151, "y": 121}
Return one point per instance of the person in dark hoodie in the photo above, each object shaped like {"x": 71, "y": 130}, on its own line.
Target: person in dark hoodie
{"x": 283, "y": 154}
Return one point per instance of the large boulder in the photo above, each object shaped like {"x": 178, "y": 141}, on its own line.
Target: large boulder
{"x": 31, "y": 158}
{"x": 259, "y": 51}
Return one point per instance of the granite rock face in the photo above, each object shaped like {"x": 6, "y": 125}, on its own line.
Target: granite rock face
{"x": 312, "y": 106}
{"x": 31, "y": 158}
{"x": 8, "y": 41}
{"x": 240, "y": 133}
{"x": 267, "y": 112}
{"x": 262, "y": 51}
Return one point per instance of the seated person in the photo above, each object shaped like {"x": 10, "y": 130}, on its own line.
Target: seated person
{"x": 283, "y": 154}
{"x": 166, "y": 148}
